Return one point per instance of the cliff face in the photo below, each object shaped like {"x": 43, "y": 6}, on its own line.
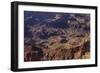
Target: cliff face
{"x": 70, "y": 51}
{"x": 76, "y": 48}
{"x": 60, "y": 37}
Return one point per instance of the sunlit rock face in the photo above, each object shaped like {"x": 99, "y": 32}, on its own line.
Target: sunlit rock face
{"x": 56, "y": 36}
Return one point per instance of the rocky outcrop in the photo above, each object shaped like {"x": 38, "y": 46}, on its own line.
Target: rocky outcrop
{"x": 78, "y": 50}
